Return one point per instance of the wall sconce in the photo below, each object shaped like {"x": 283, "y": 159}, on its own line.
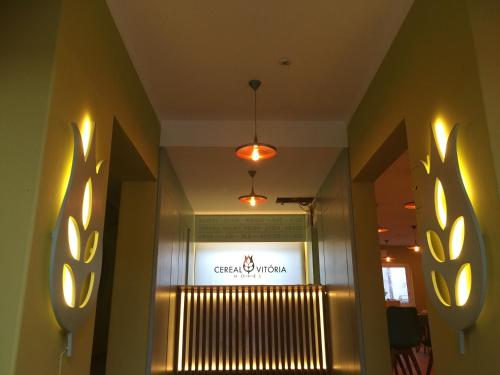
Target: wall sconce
{"x": 455, "y": 263}
{"x": 76, "y": 253}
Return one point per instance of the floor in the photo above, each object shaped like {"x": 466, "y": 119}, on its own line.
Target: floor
{"x": 423, "y": 361}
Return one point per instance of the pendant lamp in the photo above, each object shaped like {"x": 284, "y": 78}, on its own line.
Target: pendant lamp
{"x": 255, "y": 151}
{"x": 415, "y": 247}
{"x": 252, "y": 199}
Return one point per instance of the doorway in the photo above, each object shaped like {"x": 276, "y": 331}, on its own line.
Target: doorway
{"x": 401, "y": 266}
{"x": 131, "y": 195}
{"x": 382, "y": 252}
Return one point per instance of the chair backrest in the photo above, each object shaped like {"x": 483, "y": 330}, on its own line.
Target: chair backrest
{"x": 403, "y": 326}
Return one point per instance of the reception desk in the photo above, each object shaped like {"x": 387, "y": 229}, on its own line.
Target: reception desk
{"x": 251, "y": 328}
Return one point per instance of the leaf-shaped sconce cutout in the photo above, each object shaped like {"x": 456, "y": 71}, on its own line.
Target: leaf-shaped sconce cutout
{"x": 91, "y": 247}
{"x": 68, "y": 281}
{"x": 98, "y": 166}
{"x": 427, "y": 164}
{"x": 457, "y": 235}
{"x": 435, "y": 246}
{"x": 88, "y": 286}
{"x": 441, "y": 138}
{"x": 86, "y": 134}
{"x": 441, "y": 288}
{"x": 463, "y": 284}
{"x": 73, "y": 238}
{"x": 87, "y": 203}
{"x": 440, "y": 204}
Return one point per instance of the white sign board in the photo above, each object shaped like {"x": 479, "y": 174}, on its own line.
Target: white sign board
{"x": 249, "y": 263}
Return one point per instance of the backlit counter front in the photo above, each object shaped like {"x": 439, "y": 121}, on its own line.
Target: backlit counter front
{"x": 251, "y": 328}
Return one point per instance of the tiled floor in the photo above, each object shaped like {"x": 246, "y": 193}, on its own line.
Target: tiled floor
{"x": 423, "y": 361}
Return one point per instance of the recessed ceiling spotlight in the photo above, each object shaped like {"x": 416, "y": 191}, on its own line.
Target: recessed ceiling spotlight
{"x": 284, "y": 61}
{"x": 410, "y": 206}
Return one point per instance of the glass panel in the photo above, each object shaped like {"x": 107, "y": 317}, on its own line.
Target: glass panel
{"x": 395, "y": 284}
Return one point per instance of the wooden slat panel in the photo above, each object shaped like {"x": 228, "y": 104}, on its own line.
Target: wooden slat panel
{"x": 251, "y": 328}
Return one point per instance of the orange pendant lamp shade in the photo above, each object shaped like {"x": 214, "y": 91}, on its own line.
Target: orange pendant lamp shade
{"x": 252, "y": 199}
{"x": 255, "y": 151}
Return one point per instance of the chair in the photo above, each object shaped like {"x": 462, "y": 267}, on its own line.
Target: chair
{"x": 404, "y": 335}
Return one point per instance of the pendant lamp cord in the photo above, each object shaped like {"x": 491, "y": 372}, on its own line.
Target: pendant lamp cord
{"x": 255, "y": 116}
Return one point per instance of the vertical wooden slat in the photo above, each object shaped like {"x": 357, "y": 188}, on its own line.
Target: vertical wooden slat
{"x": 214, "y": 333}
{"x": 259, "y": 327}
{"x": 208, "y": 329}
{"x": 292, "y": 328}
{"x": 312, "y": 330}
{"x": 247, "y": 331}
{"x": 285, "y": 328}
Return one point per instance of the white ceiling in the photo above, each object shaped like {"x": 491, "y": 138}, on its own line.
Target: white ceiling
{"x": 214, "y": 172}
{"x": 195, "y": 58}
{"x": 392, "y": 190}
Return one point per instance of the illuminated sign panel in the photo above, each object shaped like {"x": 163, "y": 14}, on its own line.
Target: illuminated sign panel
{"x": 257, "y": 263}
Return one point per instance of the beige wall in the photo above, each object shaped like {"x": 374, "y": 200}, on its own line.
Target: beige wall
{"x": 175, "y": 218}
{"x": 89, "y": 74}
{"x": 431, "y": 71}
{"x": 333, "y": 221}
{"x": 128, "y": 338}
{"x": 375, "y": 344}
{"x": 485, "y": 22}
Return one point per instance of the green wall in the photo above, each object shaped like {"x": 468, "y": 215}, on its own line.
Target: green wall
{"x": 27, "y": 47}
{"x": 431, "y": 71}
{"x": 250, "y": 228}
{"x": 65, "y": 60}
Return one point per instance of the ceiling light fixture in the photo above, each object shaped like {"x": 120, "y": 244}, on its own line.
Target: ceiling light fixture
{"x": 255, "y": 151}
{"x": 410, "y": 206}
{"x": 414, "y": 247}
{"x": 382, "y": 230}
{"x": 384, "y": 254}
{"x": 252, "y": 199}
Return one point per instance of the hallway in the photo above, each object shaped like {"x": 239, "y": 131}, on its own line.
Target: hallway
{"x": 249, "y": 187}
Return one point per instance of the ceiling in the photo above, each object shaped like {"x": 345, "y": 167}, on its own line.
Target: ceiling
{"x": 295, "y": 172}
{"x": 392, "y": 190}
{"x": 195, "y": 58}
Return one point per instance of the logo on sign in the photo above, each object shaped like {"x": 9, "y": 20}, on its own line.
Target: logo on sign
{"x": 248, "y": 264}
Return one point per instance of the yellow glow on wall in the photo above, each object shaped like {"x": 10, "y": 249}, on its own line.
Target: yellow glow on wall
{"x": 181, "y": 330}
{"x": 441, "y": 289}
{"x": 73, "y": 238}
{"x": 322, "y": 325}
{"x": 440, "y": 204}
{"x": 87, "y": 290}
{"x": 87, "y": 203}
{"x": 441, "y": 137}
{"x": 457, "y": 235}
{"x": 463, "y": 284}
{"x": 87, "y": 130}
{"x": 435, "y": 246}
{"x": 68, "y": 280}
{"x": 467, "y": 179}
